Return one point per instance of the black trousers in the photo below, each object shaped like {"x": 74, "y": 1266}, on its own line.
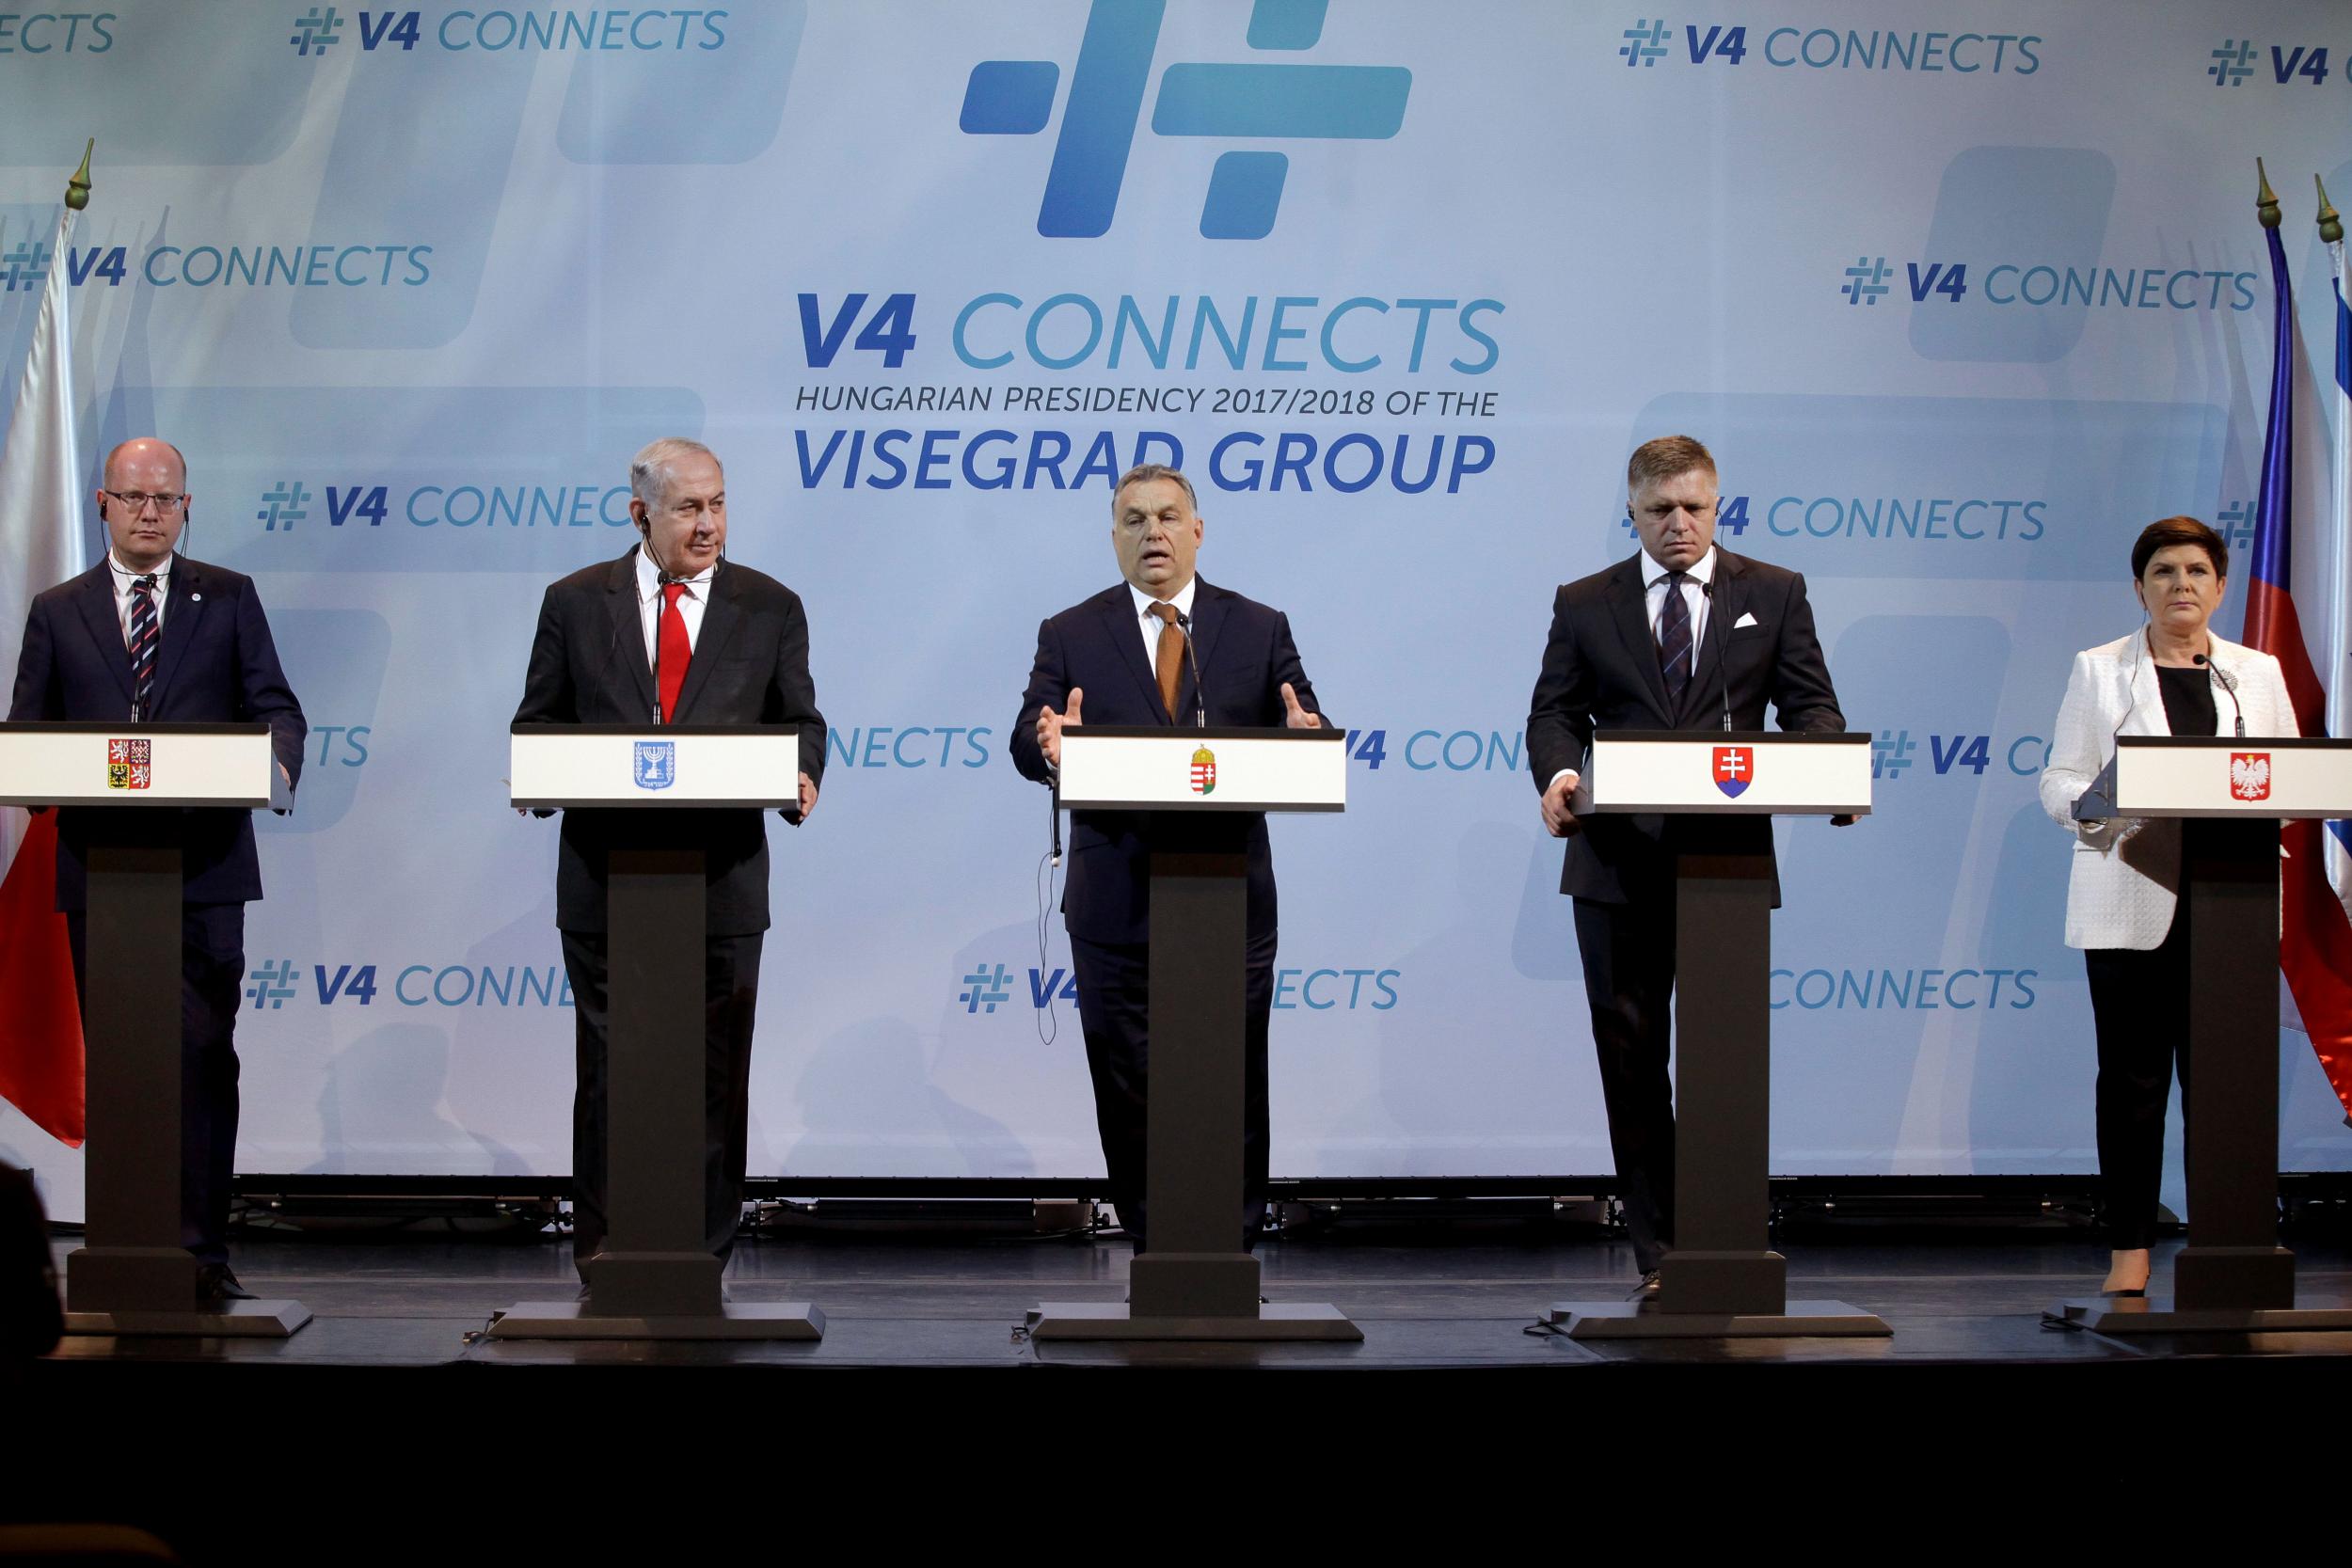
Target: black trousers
{"x": 2141, "y": 1011}
{"x": 211, "y": 970}
{"x": 1114, "y": 1009}
{"x": 730, "y": 996}
{"x": 1628, "y": 954}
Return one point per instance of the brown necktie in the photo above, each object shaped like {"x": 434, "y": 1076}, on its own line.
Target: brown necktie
{"x": 1168, "y": 662}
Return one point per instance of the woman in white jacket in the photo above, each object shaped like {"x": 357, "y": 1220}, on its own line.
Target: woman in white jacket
{"x": 2174, "y": 677}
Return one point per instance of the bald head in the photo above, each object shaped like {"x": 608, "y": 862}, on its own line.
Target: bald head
{"x": 144, "y": 501}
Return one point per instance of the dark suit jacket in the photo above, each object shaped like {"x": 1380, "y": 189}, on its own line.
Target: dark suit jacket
{"x": 589, "y": 665}
{"x": 1600, "y": 672}
{"x": 1244, "y": 652}
{"x": 216, "y": 665}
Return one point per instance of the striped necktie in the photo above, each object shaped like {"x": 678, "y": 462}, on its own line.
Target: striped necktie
{"x": 143, "y": 642}
{"x": 1674, "y": 639}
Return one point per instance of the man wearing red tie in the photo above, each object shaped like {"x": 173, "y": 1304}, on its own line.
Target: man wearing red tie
{"x": 673, "y": 632}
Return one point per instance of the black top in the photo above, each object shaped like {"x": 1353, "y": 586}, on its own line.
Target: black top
{"x": 2188, "y": 700}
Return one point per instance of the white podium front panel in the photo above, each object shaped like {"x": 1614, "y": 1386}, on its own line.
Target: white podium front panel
{"x": 2218, "y": 776}
{"x": 137, "y": 765}
{"x": 1720, "y": 772}
{"x": 1145, "y": 768}
{"x": 554, "y": 765}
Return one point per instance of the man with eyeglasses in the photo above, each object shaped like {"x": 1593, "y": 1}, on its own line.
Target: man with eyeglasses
{"x": 148, "y": 636}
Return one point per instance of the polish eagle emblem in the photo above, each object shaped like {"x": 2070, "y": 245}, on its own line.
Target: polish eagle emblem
{"x": 2249, "y": 775}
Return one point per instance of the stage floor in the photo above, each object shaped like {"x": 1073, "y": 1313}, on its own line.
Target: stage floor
{"x": 410, "y": 1302}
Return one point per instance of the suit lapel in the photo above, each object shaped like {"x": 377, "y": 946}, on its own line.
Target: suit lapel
{"x": 721, "y": 618}
{"x": 1625, "y": 597}
{"x": 1125, "y": 629}
{"x": 629, "y": 628}
{"x": 183, "y": 606}
{"x": 1711, "y": 669}
{"x": 95, "y": 595}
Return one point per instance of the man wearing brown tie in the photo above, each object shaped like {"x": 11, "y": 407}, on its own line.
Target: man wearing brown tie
{"x": 673, "y": 629}
{"x": 1162, "y": 648}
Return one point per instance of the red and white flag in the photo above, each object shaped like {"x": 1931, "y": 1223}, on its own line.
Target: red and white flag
{"x": 40, "y": 544}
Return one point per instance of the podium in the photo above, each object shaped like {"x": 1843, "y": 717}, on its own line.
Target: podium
{"x": 655, "y": 1279}
{"x": 1722, "y": 1279}
{"x": 131, "y": 783}
{"x": 1197, "y": 785}
{"x": 2230, "y": 796}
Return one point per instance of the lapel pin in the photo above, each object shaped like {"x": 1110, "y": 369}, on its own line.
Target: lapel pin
{"x": 196, "y": 598}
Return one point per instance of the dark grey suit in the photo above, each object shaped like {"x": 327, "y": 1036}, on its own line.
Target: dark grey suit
{"x": 589, "y": 665}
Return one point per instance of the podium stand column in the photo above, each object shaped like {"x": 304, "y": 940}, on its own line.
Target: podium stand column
{"x": 2234, "y": 1259}
{"x": 1199, "y": 1022}
{"x": 132, "y": 1023}
{"x": 656, "y": 1259}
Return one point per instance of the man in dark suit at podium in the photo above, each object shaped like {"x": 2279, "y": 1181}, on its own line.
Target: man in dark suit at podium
{"x": 152, "y": 636}
{"x": 731, "y": 647}
{"x": 1121, "y": 658}
{"x": 1674, "y": 639}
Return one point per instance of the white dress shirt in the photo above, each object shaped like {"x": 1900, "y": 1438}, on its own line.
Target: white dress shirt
{"x": 690, "y": 604}
{"x": 1150, "y": 624}
{"x": 1701, "y": 574}
{"x": 124, "y": 578}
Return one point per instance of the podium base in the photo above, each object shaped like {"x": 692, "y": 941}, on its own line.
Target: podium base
{"x": 234, "y": 1319}
{"x": 1286, "y": 1320}
{"x": 1641, "y": 1319}
{"x": 2121, "y": 1315}
{"x": 579, "y": 1320}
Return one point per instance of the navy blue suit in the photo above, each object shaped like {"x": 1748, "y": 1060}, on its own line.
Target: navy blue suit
{"x": 216, "y": 664}
{"x": 1246, "y": 656}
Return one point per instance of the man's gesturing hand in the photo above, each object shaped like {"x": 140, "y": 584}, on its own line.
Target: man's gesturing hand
{"x": 1049, "y": 726}
{"x": 1558, "y": 820}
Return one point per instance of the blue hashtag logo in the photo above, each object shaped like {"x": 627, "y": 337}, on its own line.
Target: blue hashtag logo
{"x": 2231, "y": 63}
{"x": 273, "y": 983}
{"x": 1015, "y": 98}
{"x": 1643, "y": 45}
{"x": 2237, "y": 525}
{"x": 315, "y": 30}
{"x": 25, "y": 267}
{"x": 1890, "y": 754}
{"x": 283, "y": 504}
{"x": 986, "y": 989}
{"x": 1865, "y": 280}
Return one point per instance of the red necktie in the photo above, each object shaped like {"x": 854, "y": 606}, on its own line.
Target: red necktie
{"x": 676, "y": 652}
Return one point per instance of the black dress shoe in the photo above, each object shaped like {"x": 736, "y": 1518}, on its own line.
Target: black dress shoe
{"x": 215, "y": 1282}
{"x": 1646, "y": 1289}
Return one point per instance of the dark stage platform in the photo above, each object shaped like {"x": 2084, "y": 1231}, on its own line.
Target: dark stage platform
{"x": 411, "y": 1302}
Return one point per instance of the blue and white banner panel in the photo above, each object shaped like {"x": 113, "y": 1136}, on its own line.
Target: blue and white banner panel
{"x": 1961, "y": 296}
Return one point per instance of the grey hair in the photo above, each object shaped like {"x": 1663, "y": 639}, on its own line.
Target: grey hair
{"x": 649, "y": 471}
{"x": 1144, "y": 473}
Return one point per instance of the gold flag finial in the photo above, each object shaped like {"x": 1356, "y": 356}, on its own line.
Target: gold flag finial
{"x": 2267, "y": 205}
{"x": 77, "y": 188}
{"x": 2330, "y": 221}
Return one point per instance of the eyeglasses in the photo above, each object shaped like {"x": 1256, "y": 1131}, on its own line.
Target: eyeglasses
{"x": 136, "y": 500}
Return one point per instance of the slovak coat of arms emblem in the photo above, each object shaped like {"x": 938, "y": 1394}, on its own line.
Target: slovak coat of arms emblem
{"x": 1734, "y": 769}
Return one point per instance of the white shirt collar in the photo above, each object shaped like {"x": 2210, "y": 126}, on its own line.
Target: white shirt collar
{"x": 125, "y": 577}
{"x": 649, "y": 578}
{"x": 1182, "y": 601}
{"x": 1701, "y": 570}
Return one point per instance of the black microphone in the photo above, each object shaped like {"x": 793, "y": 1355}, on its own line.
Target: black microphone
{"x": 1200, "y": 700}
{"x": 1715, "y": 635}
{"x": 2229, "y": 683}
{"x": 1053, "y": 813}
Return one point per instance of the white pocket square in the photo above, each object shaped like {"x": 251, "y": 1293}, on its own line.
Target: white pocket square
{"x": 1747, "y": 620}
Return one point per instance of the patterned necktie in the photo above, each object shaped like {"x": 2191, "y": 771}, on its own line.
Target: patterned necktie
{"x": 1674, "y": 640}
{"x": 1168, "y": 661}
{"x": 143, "y": 641}
{"x": 676, "y": 652}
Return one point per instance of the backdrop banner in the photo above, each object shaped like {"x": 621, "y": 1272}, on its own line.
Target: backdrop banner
{"x": 1961, "y": 296}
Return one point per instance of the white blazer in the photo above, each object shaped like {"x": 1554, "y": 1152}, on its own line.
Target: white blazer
{"x": 2127, "y": 871}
